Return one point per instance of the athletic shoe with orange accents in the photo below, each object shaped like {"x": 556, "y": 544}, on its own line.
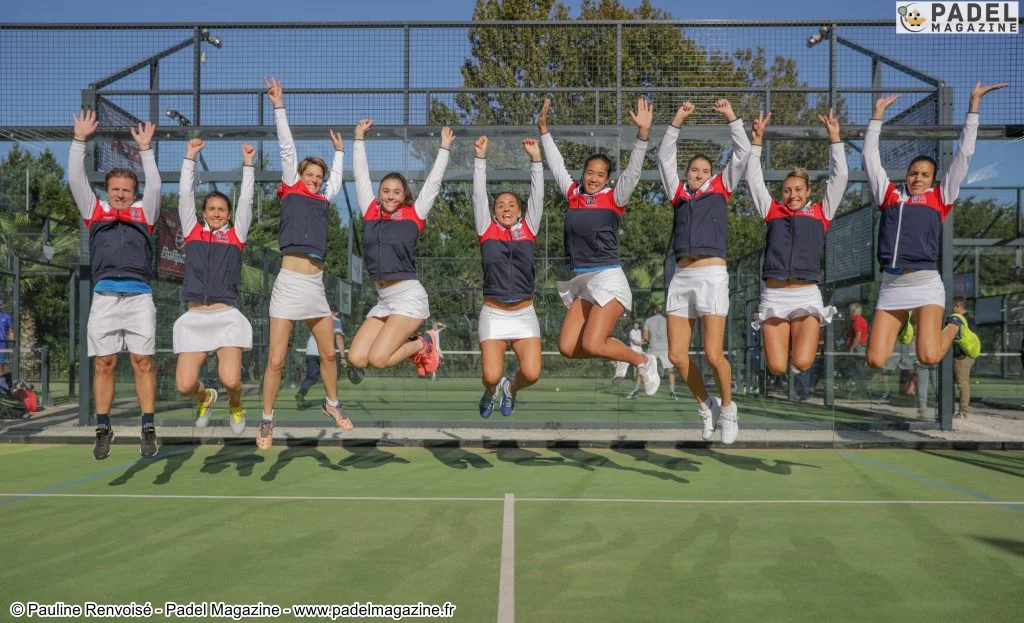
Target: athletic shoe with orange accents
{"x": 265, "y": 434}
{"x": 337, "y": 414}
{"x": 427, "y": 357}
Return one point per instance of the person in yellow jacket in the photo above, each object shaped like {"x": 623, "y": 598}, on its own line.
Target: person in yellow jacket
{"x": 966, "y": 348}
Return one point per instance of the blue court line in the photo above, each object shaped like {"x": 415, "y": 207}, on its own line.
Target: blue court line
{"x": 77, "y": 481}
{"x": 931, "y": 481}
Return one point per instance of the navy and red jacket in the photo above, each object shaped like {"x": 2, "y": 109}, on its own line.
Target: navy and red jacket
{"x": 795, "y": 239}
{"x": 507, "y": 252}
{"x": 592, "y": 221}
{"x": 911, "y": 225}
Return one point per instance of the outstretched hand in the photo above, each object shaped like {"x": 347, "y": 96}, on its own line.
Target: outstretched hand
{"x": 85, "y": 124}
{"x": 542, "y": 116}
{"x": 980, "y": 91}
{"x": 339, "y": 143}
{"x": 274, "y": 91}
{"x": 532, "y": 148}
{"x": 447, "y": 136}
{"x": 831, "y": 126}
{"x": 683, "y": 113}
{"x": 362, "y": 127}
{"x": 881, "y": 104}
{"x": 757, "y": 129}
{"x": 193, "y": 148}
{"x": 248, "y": 154}
{"x": 643, "y": 117}
{"x": 724, "y": 108}
{"x": 480, "y": 147}
{"x": 143, "y": 135}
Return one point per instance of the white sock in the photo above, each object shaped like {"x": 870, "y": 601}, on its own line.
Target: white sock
{"x": 268, "y": 418}
{"x": 332, "y": 403}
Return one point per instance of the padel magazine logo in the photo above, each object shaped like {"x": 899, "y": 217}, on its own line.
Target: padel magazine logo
{"x": 957, "y": 18}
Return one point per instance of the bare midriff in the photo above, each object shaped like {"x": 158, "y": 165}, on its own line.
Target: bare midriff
{"x": 301, "y": 263}
{"x": 699, "y": 261}
{"x": 772, "y": 282}
{"x": 387, "y": 283}
{"x": 514, "y": 306}
{"x": 212, "y": 306}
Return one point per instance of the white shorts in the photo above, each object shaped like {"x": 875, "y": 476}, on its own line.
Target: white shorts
{"x": 661, "y": 356}
{"x": 405, "y": 298}
{"x": 203, "y": 331}
{"x": 501, "y": 324}
{"x": 299, "y": 297}
{"x": 911, "y": 290}
{"x": 789, "y": 303}
{"x": 599, "y": 287}
{"x": 696, "y": 292}
{"x": 119, "y": 321}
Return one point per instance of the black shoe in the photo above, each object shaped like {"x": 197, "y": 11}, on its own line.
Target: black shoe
{"x": 147, "y": 442}
{"x": 101, "y": 449}
{"x": 300, "y": 401}
{"x": 355, "y": 375}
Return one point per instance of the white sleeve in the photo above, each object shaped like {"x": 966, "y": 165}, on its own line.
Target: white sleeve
{"x": 535, "y": 204}
{"x": 85, "y": 199}
{"x": 335, "y": 178}
{"x": 481, "y": 204}
{"x": 878, "y": 180}
{"x": 733, "y": 172}
{"x": 630, "y": 177}
{"x": 555, "y": 162}
{"x": 361, "y": 171}
{"x": 755, "y": 182}
{"x": 668, "y": 166}
{"x": 187, "y": 197}
{"x": 243, "y": 211}
{"x": 151, "y": 195}
{"x": 289, "y": 161}
{"x": 838, "y": 174}
{"x": 961, "y": 160}
{"x": 432, "y": 185}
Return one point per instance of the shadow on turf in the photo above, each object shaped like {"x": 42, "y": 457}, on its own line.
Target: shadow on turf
{"x": 1008, "y": 464}
{"x": 750, "y": 463}
{"x": 589, "y": 461}
{"x": 455, "y": 457}
{"x": 172, "y": 458}
{"x": 1009, "y": 545}
{"x": 243, "y": 455}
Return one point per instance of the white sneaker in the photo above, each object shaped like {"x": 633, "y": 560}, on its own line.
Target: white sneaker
{"x": 730, "y": 423}
{"x": 650, "y": 376}
{"x": 203, "y": 407}
{"x": 707, "y": 417}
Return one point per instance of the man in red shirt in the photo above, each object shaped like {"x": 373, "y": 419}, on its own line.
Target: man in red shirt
{"x": 856, "y": 342}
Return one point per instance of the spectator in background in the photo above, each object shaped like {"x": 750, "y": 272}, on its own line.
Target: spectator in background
{"x": 966, "y": 348}
{"x": 856, "y": 342}
{"x": 6, "y": 343}
{"x": 655, "y": 335}
{"x": 636, "y": 343}
{"x": 339, "y": 338}
{"x": 313, "y": 358}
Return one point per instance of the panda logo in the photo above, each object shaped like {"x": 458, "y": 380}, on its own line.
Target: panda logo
{"x": 910, "y": 18}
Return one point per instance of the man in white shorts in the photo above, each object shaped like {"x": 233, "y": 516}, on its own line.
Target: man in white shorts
{"x": 656, "y": 338}
{"x": 121, "y": 253}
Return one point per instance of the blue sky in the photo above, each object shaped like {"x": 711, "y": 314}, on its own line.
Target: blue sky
{"x": 390, "y": 10}
{"x": 990, "y": 163}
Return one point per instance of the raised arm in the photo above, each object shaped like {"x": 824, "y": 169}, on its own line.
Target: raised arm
{"x": 535, "y": 204}
{"x": 733, "y": 172}
{"x": 643, "y": 117}
{"x": 432, "y": 185}
{"x": 360, "y": 167}
{"x": 962, "y": 158}
{"x": 755, "y": 176}
{"x": 668, "y": 166}
{"x": 337, "y": 167}
{"x": 878, "y": 180}
{"x": 289, "y": 160}
{"x": 481, "y": 203}
{"x": 85, "y": 199}
{"x": 838, "y": 174}
{"x": 143, "y": 136}
{"x": 243, "y": 211}
{"x": 186, "y": 187}
{"x": 554, "y": 157}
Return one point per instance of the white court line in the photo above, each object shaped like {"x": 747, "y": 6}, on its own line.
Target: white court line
{"x": 306, "y": 498}
{"x": 507, "y": 582}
